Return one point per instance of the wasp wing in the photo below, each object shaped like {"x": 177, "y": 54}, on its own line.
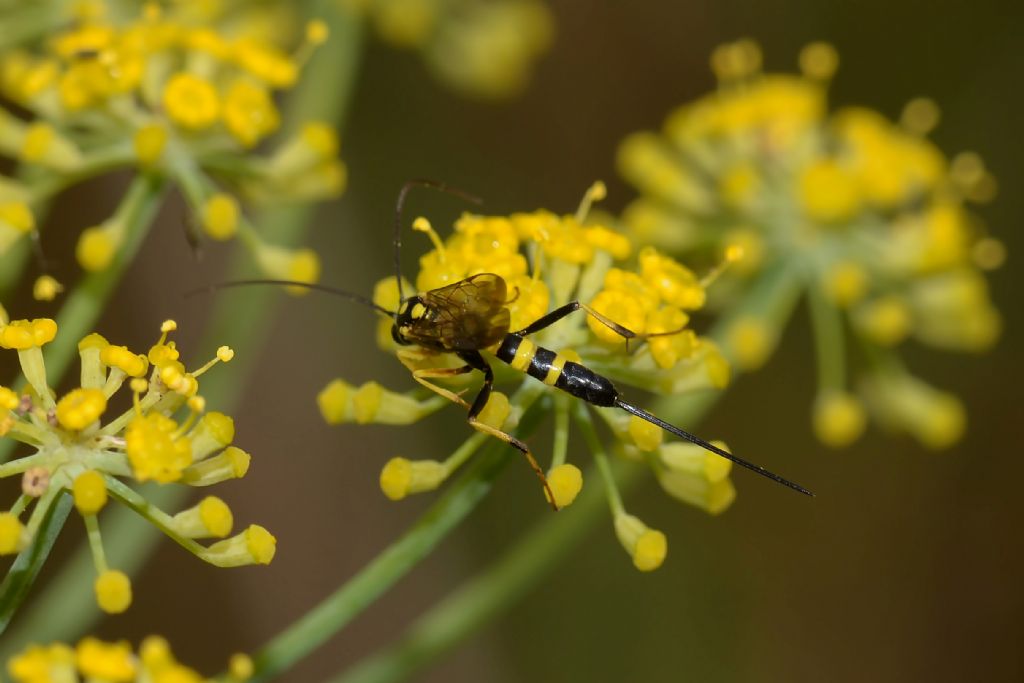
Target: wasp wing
{"x": 468, "y": 315}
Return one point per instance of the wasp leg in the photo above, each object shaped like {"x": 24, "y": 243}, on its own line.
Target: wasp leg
{"x": 423, "y": 376}
{"x": 474, "y": 359}
{"x": 647, "y": 335}
{"x": 573, "y": 306}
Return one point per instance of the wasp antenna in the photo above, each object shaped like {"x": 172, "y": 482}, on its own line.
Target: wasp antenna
{"x": 345, "y": 294}
{"x": 683, "y": 434}
{"x": 400, "y": 205}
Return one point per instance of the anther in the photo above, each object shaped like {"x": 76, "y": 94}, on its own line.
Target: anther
{"x": 421, "y": 224}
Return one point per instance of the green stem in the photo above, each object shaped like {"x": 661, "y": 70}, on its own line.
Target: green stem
{"x": 41, "y": 509}
{"x": 597, "y": 450}
{"x": 560, "y": 443}
{"x": 20, "y": 504}
{"x": 92, "y": 532}
{"x": 829, "y": 341}
{"x": 9, "y": 469}
{"x": 487, "y": 595}
{"x": 14, "y": 261}
{"x": 131, "y": 543}
{"x": 551, "y": 541}
{"x": 96, "y": 163}
{"x": 453, "y": 462}
{"x": 26, "y": 567}
{"x": 398, "y": 559}
{"x": 69, "y": 594}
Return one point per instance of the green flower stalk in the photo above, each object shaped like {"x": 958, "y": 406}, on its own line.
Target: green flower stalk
{"x": 546, "y": 260}
{"x": 171, "y": 94}
{"x": 99, "y": 661}
{"x": 869, "y": 214}
{"x": 78, "y": 447}
{"x": 481, "y": 48}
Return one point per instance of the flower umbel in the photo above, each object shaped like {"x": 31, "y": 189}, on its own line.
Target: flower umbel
{"x": 866, "y": 217}
{"x": 172, "y": 94}
{"x": 102, "y": 662}
{"x": 83, "y": 448}
{"x": 484, "y": 48}
{"x": 545, "y": 261}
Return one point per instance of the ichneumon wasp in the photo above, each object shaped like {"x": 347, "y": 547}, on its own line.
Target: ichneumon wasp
{"x": 471, "y": 316}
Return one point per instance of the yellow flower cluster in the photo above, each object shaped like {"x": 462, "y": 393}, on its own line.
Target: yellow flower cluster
{"x": 547, "y": 260}
{"x": 483, "y": 48}
{"x": 173, "y": 95}
{"x": 81, "y": 449}
{"x": 98, "y": 661}
{"x": 866, "y": 216}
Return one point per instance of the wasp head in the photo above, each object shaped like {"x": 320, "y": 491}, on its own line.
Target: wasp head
{"x": 411, "y": 310}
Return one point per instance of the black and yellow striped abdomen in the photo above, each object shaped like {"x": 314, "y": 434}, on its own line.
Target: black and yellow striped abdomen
{"x": 554, "y": 370}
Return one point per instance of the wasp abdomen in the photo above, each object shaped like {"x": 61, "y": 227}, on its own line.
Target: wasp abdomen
{"x": 554, "y": 370}
{"x": 584, "y": 383}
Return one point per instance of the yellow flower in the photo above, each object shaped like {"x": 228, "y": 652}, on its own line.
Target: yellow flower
{"x": 676, "y": 283}
{"x": 210, "y": 518}
{"x": 192, "y": 91}
{"x": 38, "y": 664}
{"x": 828, "y": 193}
{"x": 646, "y": 546}
{"x": 400, "y": 477}
{"x": 280, "y": 263}
{"x": 220, "y": 216}
{"x": 113, "y": 591}
{"x": 81, "y": 408}
{"x": 24, "y": 334}
{"x": 249, "y": 112}
{"x": 566, "y": 482}
{"x": 90, "y": 492}
{"x": 119, "y": 357}
{"x": 672, "y": 346}
{"x": 98, "y": 245}
{"x": 154, "y": 450}
{"x": 623, "y": 308}
{"x": 485, "y": 49}
{"x": 80, "y": 447}
{"x": 16, "y": 220}
{"x": 150, "y": 141}
{"x": 864, "y": 215}
{"x": 751, "y": 341}
{"x": 46, "y": 288}
{"x": 191, "y": 101}
{"x": 696, "y": 476}
{"x": 266, "y": 62}
{"x": 839, "y": 419}
{"x": 255, "y": 545}
{"x": 111, "y": 662}
{"x": 846, "y": 283}
{"x": 43, "y": 145}
{"x": 12, "y": 534}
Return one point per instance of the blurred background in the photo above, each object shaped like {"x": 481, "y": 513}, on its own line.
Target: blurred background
{"x": 908, "y": 564}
